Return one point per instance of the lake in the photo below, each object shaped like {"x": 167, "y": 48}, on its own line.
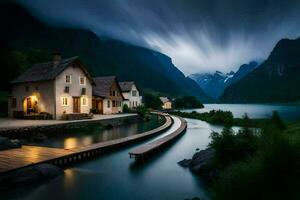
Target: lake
{"x": 286, "y": 111}
{"x": 114, "y": 176}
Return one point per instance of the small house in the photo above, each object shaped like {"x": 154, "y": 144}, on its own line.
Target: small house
{"x": 107, "y": 95}
{"x": 61, "y": 86}
{"x": 167, "y": 103}
{"x": 131, "y": 94}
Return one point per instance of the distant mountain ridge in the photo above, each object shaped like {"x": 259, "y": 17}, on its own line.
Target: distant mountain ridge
{"x": 277, "y": 80}
{"x": 215, "y": 84}
{"x": 153, "y": 71}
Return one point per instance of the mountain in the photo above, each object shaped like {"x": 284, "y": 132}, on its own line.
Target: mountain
{"x": 275, "y": 81}
{"x": 212, "y": 84}
{"x": 27, "y": 40}
{"x": 215, "y": 84}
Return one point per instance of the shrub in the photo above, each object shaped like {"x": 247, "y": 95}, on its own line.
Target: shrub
{"x": 126, "y": 108}
{"x": 272, "y": 173}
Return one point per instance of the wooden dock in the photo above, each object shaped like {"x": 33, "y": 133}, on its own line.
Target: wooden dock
{"x": 141, "y": 152}
{"x": 26, "y": 156}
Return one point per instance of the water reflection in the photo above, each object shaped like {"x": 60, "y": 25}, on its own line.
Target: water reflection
{"x": 94, "y": 134}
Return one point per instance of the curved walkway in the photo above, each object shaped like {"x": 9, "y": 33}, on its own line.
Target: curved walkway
{"x": 32, "y": 155}
{"x": 176, "y": 130}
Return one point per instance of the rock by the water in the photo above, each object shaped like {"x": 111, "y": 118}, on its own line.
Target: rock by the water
{"x": 201, "y": 163}
{"x": 6, "y": 143}
{"x": 185, "y": 162}
{"x": 29, "y": 175}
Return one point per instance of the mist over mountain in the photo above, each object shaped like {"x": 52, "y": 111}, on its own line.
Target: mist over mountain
{"x": 200, "y": 36}
{"x": 275, "y": 80}
{"x": 26, "y": 40}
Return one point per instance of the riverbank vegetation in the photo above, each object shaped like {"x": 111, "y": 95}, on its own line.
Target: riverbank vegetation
{"x": 253, "y": 165}
{"x": 187, "y": 102}
{"x": 220, "y": 117}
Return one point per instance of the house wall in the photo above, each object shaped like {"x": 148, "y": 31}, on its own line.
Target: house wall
{"x": 133, "y": 101}
{"x": 117, "y": 98}
{"x": 42, "y": 91}
{"x": 75, "y": 90}
{"x": 167, "y": 105}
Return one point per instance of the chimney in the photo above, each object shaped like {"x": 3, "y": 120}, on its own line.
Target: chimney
{"x": 56, "y": 59}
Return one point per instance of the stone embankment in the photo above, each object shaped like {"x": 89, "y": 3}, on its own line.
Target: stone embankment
{"x": 39, "y": 131}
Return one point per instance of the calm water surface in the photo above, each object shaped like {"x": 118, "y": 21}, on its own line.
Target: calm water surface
{"x": 95, "y": 134}
{"x": 115, "y": 176}
{"x": 287, "y": 112}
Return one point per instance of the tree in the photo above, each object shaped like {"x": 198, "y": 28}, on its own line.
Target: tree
{"x": 187, "y": 102}
{"x": 152, "y": 101}
{"x": 277, "y": 122}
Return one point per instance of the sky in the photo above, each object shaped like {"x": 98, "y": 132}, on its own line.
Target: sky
{"x": 199, "y": 35}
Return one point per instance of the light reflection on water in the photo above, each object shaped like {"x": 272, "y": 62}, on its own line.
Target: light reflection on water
{"x": 95, "y": 134}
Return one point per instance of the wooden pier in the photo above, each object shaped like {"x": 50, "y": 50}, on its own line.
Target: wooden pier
{"x": 26, "y": 156}
{"x": 141, "y": 152}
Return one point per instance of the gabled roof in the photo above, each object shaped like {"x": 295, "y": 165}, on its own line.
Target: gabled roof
{"x": 164, "y": 99}
{"x": 103, "y": 85}
{"x": 47, "y": 71}
{"x": 126, "y": 85}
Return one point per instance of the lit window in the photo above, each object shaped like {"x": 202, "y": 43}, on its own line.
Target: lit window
{"x": 68, "y": 79}
{"x": 84, "y": 102}
{"x": 82, "y": 80}
{"x": 65, "y": 101}
{"x": 134, "y": 93}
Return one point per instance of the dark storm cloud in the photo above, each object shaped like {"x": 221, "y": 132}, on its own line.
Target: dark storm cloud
{"x": 199, "y": 35}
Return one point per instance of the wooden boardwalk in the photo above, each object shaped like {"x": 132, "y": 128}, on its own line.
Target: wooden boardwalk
{"x": 32, "y": 155}
{"x": 145, "y": 150}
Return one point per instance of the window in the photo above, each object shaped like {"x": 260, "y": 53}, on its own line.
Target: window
{"x": 84, "y": 102}
{"x": 67, "y": 89}
{"x": 27, "y": 88}
{"x": 65, "y": 101}
{"x": 83, "y": 91}
{"x": 134, "y": 93}
{"x": 113, "y": 103}
{"x": 113, "y": 93}
{"x": 68, "y": 79}
{"x": 13, "y": 102}
{"x": 81, "y": 80}
{"x": 36, "y": 88}
{"x": 108, "y": 103}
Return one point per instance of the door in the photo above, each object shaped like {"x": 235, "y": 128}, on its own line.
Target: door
{"x": 76, "y": 104}
{"x": 100, "y": 106}
{"x": 29, "y": 105}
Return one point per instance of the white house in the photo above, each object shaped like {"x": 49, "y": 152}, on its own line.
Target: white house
{"x": 131, "y": 94}
{"x": 167, "y": 103}
{"x": 56, "y": 87}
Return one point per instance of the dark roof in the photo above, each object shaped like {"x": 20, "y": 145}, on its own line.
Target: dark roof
{"x": 103, "y": 85}
{"x": 126, "y": 85}
{"x": 47, "y": 71}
